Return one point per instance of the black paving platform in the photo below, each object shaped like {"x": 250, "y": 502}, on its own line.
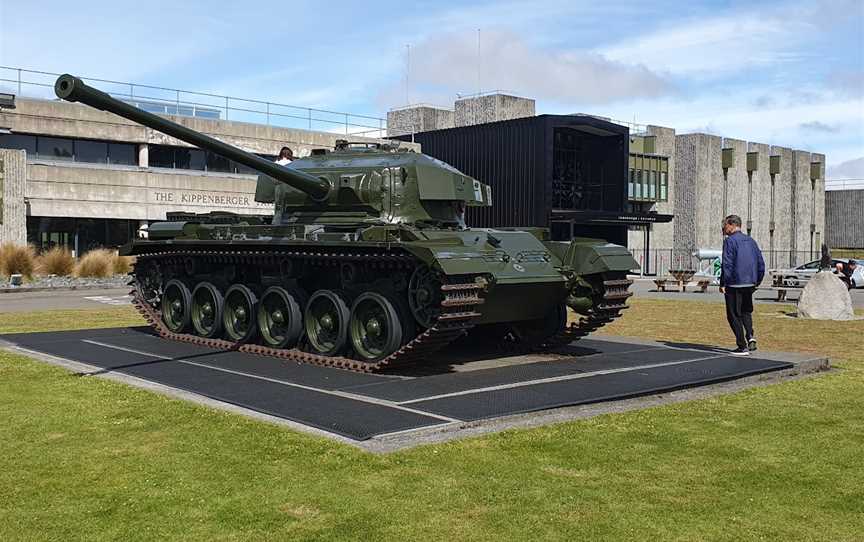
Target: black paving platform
{"x": 451, "y": 390}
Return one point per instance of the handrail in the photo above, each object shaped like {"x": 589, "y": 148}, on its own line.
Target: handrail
{"x": 309, "y": 115}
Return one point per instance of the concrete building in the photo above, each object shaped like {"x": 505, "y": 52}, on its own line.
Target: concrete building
{"x": 698, "y": 179}
{"x": 778, "y": 192}
{"x": 76, "y": 176}
{"x": 469, "y": 111}
{"x": 844, "y": 218}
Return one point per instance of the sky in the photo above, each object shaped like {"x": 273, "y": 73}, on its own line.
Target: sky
{"x": 783, "y": 72}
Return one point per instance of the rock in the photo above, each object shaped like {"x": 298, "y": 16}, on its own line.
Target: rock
{"x": 825, "y": 298}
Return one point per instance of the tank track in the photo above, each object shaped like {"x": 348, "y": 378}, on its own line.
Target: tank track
{"x": 457, "y": 309}
{"x": 614, "y": 296}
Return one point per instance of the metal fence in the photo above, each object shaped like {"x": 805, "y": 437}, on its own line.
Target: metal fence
{"x": 40, "y": 84}
{"x": 658, "y": 262}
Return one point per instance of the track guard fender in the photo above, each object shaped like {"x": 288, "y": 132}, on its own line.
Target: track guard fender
{"x": 585, "y": 256}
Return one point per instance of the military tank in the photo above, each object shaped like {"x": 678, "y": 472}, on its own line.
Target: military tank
{"x": 366, "y": 264}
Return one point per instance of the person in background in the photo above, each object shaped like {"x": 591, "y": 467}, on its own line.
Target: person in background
{"x": 742, "y": 271}
{"x": 846, "y": 270}
{"x": 286, "y": 156}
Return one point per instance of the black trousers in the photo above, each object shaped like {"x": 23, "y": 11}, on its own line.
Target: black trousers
{"x": 739, "y": 313}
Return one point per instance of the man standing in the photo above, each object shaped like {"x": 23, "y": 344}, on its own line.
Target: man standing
{"x": 742, "y": 270}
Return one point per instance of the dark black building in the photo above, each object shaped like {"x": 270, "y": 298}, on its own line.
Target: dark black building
{"x": 564, "y": 172}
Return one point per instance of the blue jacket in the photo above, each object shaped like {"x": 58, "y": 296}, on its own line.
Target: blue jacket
{"x": 742, "y": 261}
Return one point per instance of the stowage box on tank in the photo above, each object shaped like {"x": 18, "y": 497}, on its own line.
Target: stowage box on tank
{"x": 366, "y": 263}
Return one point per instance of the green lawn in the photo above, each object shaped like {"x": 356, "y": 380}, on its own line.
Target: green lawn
{"x": 91, "y": 459}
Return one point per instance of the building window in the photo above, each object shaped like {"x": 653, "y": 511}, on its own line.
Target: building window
{"x": 167, "y": 156}
{"x": 95, "y": 152}
{"x": 77, "y": 150}
{"x": 123, "y": 154}
{"x": 649, "y": 179}
{"x": 23, "y": 142}
{"x": 55, "y": 148}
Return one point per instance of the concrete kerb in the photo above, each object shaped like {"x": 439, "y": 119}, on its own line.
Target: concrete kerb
{"x": 804, "y": 366}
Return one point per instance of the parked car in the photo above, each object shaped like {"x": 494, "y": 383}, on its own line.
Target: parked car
{"x": 797, "y": 277}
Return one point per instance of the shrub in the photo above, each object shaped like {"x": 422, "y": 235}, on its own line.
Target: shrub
{"x": 17, "y": 259}
{"x": 122, "y": 264}
{"x": 57, "y": 261}
{"x": 97, "y": 263}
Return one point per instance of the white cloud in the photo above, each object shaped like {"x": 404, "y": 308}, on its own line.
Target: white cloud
{"x": 448, "y": 64}
{"x": 850, "y": 169}
{"x": 716, "y": 45}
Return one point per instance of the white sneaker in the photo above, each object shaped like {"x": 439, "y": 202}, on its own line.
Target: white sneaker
{"x": 740, "y": 352}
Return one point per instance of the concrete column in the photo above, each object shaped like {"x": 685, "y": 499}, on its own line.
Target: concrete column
{"x": 143, "y": 155}
{"x": 13, "y": 208}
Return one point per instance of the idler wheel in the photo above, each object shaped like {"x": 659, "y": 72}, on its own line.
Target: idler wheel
{"x": 279, "y": 318}
{"x": 238, "y": 314}
{"x": 376, "y": 331}
{"x": 176, "y": 302}
{"x": 207, "y": 305}
{"x": 326, "y": 322}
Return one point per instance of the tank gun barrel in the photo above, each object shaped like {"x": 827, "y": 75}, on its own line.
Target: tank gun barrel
{"x": 73, "y": 89}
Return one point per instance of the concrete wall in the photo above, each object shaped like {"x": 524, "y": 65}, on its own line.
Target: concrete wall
{"x": 64, "y": 119}
{"x": 759, "y": 209}
{"x": 13, "y": 178}
{"x": 421, "y": 118}
{"x": 843, "y": 218}
{"x": 492, "y": 108}
{"x": 92, "y": 191}
{"x": 700, "y": 192}
{"x": 782, "y": 209}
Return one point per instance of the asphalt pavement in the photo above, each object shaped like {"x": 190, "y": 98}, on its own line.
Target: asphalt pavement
{"x": 44, "y": 300}
{"x": 90, "y": 299}
{"x": 645, "y": 288}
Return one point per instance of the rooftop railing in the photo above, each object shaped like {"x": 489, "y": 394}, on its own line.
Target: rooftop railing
{"x": 40, "y": 84}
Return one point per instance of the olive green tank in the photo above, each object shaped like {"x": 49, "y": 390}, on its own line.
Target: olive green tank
{"x": 367, "y": 262}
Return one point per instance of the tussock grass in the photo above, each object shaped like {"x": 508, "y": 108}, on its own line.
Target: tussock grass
{"x": 97, "y": 263}
{"x": 123, "y": 264}
{"x": 57, "y": 261}
{"x": 15, "y": 259}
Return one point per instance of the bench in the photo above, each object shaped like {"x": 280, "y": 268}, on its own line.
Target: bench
{"x": 662, "y": 283}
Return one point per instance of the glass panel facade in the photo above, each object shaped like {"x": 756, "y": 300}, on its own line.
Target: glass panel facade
{"x": 123, "y": 153}
{"x": 95, "y": 152}
{"x": 78, "y": 150}
{"x": 55, "y": 148}
{"x": 648, "y": 179}
{"x": 19, "y": 141}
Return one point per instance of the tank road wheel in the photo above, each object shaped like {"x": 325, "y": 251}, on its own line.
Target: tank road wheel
{"x": 279, "y": 318}
{"x": 326, "y": 322}
{"x": 238, "y": 314}
{"x": 176, "y": 302}
{"x": 424, "y": 296}
{"x": 207, "y": 310}
{"x": 375, "y": 329}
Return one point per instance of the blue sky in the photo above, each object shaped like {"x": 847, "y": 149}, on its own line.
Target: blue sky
{"x": 784, "y": 72}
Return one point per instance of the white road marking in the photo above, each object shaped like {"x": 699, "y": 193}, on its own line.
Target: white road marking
{"x": 117, "y": 300}
{"x": 345, "y": 395}
{"x": 561, "y": 378}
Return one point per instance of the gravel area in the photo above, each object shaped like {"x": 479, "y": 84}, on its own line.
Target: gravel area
{"x": 117, "y": 281}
